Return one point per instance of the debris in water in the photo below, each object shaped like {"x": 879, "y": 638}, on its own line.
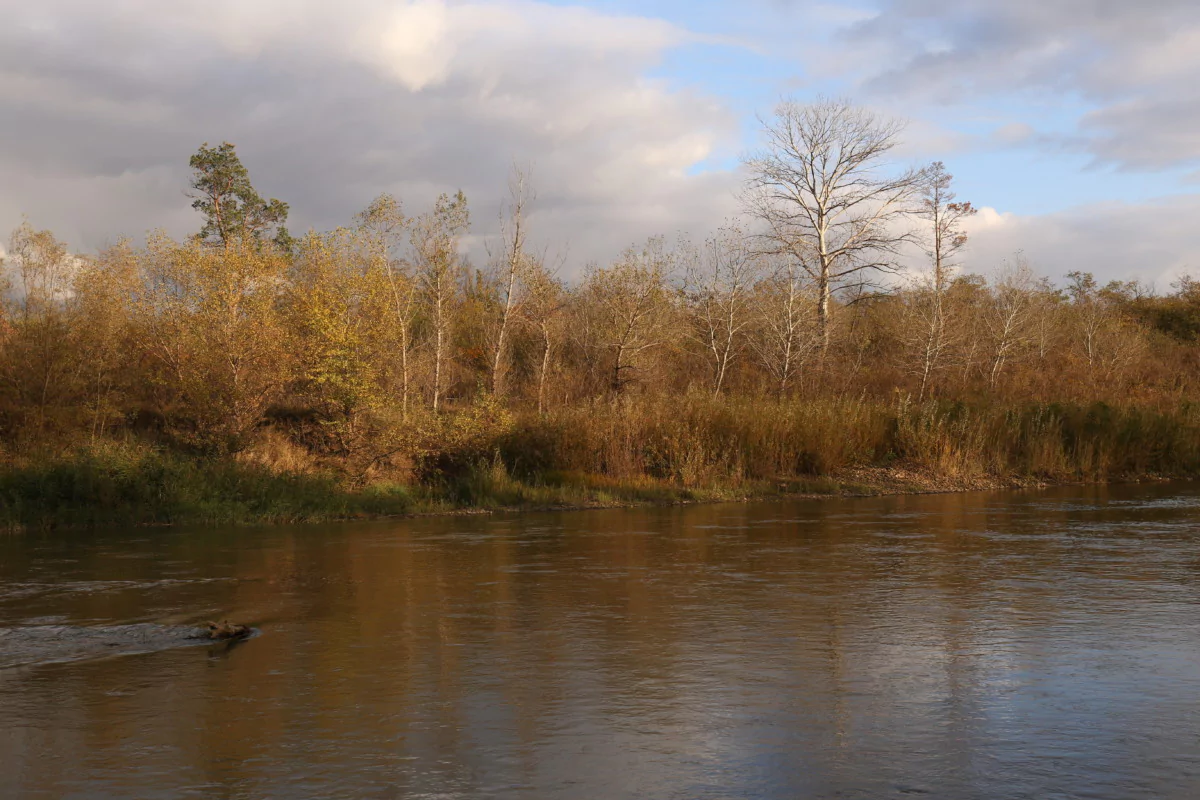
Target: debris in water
{"x": 227, "y": 630}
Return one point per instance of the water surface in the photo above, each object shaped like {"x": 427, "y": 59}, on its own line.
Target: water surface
{"x": 1029, "y": 645}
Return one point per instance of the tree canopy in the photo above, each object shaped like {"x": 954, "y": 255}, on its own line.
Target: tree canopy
{"x": 233, "y": 210}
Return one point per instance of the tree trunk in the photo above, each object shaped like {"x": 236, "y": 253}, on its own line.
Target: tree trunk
{"x": 404, "y": 371}
{"x": 497, "y": 361}
{"x": 542, "y": 374}
{"x": 617, "y": 366}
{"x": 824, "y": 294}
{"x": 437, "y": 356}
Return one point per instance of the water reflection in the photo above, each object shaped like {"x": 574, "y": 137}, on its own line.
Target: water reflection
{"x": 991, "y": 646}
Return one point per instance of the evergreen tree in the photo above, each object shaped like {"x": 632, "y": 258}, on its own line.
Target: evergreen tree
{"x": 233, "y": 210}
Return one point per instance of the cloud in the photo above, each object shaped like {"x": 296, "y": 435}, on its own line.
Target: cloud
{"x": 1147, "y": 133}
{"x": 1156, "y": 242}
{"x": 1130, "y": 68}
{"x": 330, "y": 104}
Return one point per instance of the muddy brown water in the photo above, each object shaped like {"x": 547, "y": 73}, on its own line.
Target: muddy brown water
{"x": 1002, "y": 645}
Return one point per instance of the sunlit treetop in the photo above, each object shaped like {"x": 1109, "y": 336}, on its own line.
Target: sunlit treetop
{"x": 233, "y": 210}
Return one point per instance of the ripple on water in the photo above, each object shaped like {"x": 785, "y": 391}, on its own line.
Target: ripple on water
{"x": 31, "y": 645}
{"x": 984, "y": 646}
{"x": 21, "y": 591}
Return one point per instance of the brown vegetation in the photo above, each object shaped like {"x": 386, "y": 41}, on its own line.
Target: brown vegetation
{"x": 377, "y": 354}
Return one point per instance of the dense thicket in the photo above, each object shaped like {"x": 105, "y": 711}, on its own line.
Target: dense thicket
{"x": 378, "y": 352}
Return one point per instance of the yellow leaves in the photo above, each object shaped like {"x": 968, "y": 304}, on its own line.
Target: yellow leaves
{"x": 340, "y": 311}
{"x": 214, "y": 320}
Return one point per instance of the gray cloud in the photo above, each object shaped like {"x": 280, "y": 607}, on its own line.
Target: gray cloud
{"x": 103, "y": 104}
{"x": 1134, "y": 65}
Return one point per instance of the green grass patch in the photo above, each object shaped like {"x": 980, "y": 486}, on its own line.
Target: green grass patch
{"x": 140, "y": 486}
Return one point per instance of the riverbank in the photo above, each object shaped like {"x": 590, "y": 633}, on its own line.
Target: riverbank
{"x": 142, "y": 487}
{"x": 622, "y": 453}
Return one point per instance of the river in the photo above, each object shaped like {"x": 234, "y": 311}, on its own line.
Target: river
{"x": 988, "y": 645}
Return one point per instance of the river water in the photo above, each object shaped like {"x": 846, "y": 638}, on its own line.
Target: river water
{"x": 1001, "y": 645}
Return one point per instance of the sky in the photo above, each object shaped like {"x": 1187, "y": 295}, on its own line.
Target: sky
{"x": 1073, "y": 124}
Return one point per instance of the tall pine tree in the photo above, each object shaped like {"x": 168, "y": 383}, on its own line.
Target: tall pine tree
{"x": 233, "y": 210}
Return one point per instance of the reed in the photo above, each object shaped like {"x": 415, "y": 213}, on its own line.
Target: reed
{"x": 624, "y": 451}
{"x": 699, "y": 441}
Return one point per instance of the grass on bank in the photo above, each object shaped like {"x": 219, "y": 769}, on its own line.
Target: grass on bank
{"x": 134, "y": 485}
{"x": 622, "y": 452}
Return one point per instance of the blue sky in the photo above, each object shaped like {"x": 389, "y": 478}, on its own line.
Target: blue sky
{"x": 1074, "y": 123}
{"x": 764, "y": 59}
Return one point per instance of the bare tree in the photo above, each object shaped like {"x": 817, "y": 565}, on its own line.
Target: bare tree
{"x": 626, "y": 308}
{"x": 1104, "y": 337}
{"x": 542, "y": 309}
{"x": 818, "y": 190}
{"x": 512, "y": 262}
{"x": 719, "y": 284}
{"x": 1010, "y": 315}
{"x": 929, "y": 334}
{"x": 784, "y": 336}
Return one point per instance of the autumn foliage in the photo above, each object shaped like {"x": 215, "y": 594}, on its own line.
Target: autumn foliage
{"x": 378, "y": 354}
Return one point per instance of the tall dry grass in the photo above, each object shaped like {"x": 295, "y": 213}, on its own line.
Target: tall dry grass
{"x": 697, "y": 440}
{"x": 628, "y": 449}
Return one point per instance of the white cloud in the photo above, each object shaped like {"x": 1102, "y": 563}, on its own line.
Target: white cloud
{"x": 412, "y": 44}
{"x": 332, "y": 104}
{"x": 1156, "y": 242}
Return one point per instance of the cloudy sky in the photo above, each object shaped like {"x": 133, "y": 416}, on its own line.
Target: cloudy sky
{"x": 1075, "y": 124}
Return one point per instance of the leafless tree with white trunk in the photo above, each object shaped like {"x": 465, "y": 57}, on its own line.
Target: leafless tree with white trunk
{"x": 785, "y": 334}
{"x": 719, "y": 284}
{"x": 929, "y": 334}
{"x": 1010, "y": 316}
{"x": 510, "y": 263}
{"x": 1105, "y": 340}
{"x": 543, "y": 310}
{"x": 820, "y": 189}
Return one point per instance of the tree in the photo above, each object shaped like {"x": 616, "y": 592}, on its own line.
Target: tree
{"x": 438, "y": 266}
{"x": 928, "y": 333}
{"x": 1105, "y": 340}
{"x": 719, "y": 285}
{"x": 339, "y": 302}
{"x": 385, "y": 225}
{"x": 545, "y": 300}
{"x": 39, "y": 354}
{"x": 213, "y": 322}
{"x": 233, "y": 210}
{"x": 101, "y": 304}
{"x": 511, "y": 264}
{"x": 626, "y": 309}
{"x": 784, "y": 336}
{"x": 1010, "y": 315}
{"x": 818, "y": 190}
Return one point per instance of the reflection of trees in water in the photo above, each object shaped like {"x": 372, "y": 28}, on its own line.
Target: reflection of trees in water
{"x": 605, "y": 646}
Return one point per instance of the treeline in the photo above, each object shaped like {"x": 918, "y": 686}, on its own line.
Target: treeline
{"x": 774, "y": 348}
